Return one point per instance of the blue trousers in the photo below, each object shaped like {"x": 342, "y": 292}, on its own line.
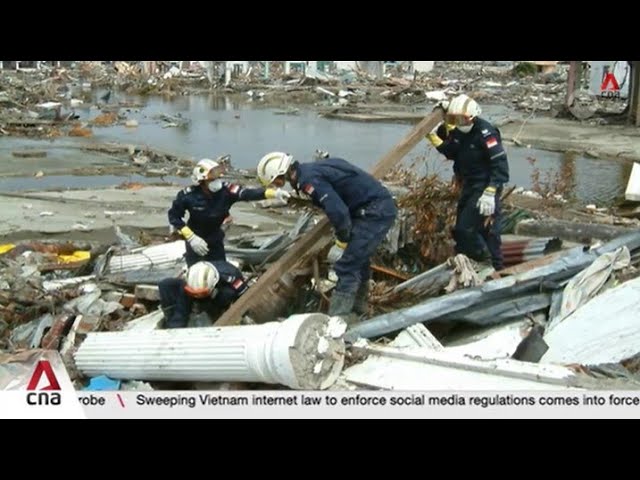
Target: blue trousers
{"x": 216, "y": 251}
{"x": 175, "y": 302}
{"x": 368, "y": 230}
{"x": 470, "y": 234}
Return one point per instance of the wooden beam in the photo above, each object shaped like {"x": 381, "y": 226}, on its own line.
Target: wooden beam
{"x": 261, "y": 300}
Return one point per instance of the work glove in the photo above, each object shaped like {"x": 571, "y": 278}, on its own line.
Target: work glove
{"x": 197, "y": 243}
{"x": 487, "y": 202}
{"x": 433, "y": 137}
{"x": 444, "y": 105}
{"x": 278, "y": 193}
{"x": 336, "y": 251}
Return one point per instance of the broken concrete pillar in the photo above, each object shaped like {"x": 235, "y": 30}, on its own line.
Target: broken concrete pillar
{"x": 303, "y": 352}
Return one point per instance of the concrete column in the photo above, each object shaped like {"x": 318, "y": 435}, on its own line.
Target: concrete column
{"x": 303, "y": 352}
{"x": 228, "y": 67}
{"x": 571, "y": 83}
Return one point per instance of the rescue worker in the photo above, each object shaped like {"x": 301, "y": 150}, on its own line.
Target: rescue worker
{"x": 215, "y": 285}
{"x": 480, "y": 165}
{"x": 360, "y": 209}
{"x": 208, "y": 202}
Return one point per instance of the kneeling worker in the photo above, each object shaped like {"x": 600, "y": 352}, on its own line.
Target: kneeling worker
{"x": 215, "y": 285}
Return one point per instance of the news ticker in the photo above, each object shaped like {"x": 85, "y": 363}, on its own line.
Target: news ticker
{"x": 314, "y": 404}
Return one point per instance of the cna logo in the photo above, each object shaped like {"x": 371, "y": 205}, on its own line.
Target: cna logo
{"x": 47, "y": 394}
{"x": 609, "y": 86}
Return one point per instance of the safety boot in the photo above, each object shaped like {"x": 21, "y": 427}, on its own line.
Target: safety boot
{"x": 361, "y": 303}
{"x": 341, "y": 305}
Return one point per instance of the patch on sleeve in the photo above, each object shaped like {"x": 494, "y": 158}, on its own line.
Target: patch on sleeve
{"x": 485, "y": 132}
{"x": 308, "y": 189}
{"x": 491, "y": 142}
{"x": 233, "y": 188}
{"x": 237, "y": 284}
{"x": 187, "y": 190}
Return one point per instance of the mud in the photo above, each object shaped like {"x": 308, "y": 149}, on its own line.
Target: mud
{"x": 605, "y": 141}
{"x": 93, "y": 214}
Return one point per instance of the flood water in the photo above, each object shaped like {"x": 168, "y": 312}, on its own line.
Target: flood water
{"x": 246, "y": 130}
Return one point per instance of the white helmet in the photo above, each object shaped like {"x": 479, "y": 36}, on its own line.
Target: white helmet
{"x": 202, "y": 278}
{"x": 272, "y": 165}
{"x": 202, "y": 169}
{"x": 464, "y": 106}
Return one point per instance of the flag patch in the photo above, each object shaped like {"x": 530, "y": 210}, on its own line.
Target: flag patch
{"x": 234, "y": 189}
{"x": 237, "y": 284}
{"x": 308, "y": 189}
{"x": 492, "y": 142}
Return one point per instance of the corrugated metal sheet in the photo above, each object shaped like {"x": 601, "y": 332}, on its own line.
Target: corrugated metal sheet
{"x": 528, "y": 282}
{"x": 606, "y": 329}
{"x": 148, "y": 258}
{"x": 519, "y": 251}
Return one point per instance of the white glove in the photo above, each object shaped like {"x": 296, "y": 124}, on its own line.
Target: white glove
{"x": 198, "y": 244}
{"x": 487, "y": 202}
{"x": 277, "y": 193}
{"x": 444, "y": 105}
{"x": 282, "y": 195}
{"x": 335, "y": 254}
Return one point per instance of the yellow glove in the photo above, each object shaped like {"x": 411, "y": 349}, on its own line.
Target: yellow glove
{"x": 435, "y": 140}
{"x": 449, "y": 127}
{"x": 342, "y": 245}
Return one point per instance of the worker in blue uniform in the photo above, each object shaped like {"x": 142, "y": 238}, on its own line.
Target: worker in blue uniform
{"x": 481, "y": 168}
{"x": 360, "y": 209}
{"x": 215, "y": 285}
{"x": 208, "y": 202}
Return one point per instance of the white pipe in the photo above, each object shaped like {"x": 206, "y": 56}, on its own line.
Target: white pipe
{"x": 303, "y": 352}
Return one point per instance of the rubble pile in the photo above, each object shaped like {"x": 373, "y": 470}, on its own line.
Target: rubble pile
{"x": 433, "y": 205}
{"x": 34, "y": 100}
{"x": 91, "y": 302}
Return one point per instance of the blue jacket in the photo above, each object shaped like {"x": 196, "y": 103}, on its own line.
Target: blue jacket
{"x": 208, "y": 210}
{"x": 231, "y": 284}
{"x": 479, "y": 157}
{"x": 341, "y": 189}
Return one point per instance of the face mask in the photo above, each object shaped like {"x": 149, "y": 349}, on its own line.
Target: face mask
{"x": 215, "y": 185}
{"x": 465, "y": 128}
